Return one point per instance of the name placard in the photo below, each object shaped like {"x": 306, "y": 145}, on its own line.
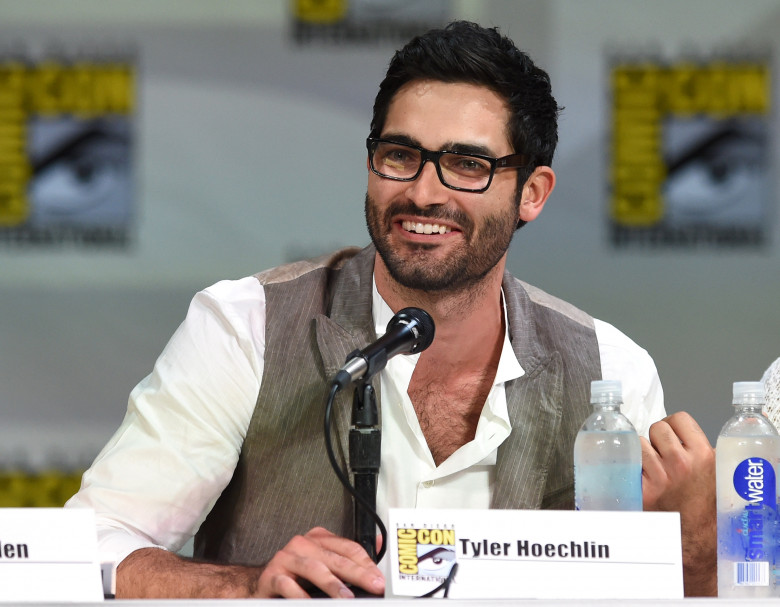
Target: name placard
{"x": 535, "y": 554}
{"x": 49, "y": 554}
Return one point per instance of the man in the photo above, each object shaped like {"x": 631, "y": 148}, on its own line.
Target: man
{"x": 224, "y": 438}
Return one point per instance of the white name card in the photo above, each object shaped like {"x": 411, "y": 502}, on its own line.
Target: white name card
{"x": 49, "y": 554}
{"x": 540, "y": 554}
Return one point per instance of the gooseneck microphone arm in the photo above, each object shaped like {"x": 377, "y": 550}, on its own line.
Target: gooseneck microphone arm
{"x": 410, "y": 331}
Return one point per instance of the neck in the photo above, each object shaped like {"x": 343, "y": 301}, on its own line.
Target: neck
{"x": 469, "y": 322}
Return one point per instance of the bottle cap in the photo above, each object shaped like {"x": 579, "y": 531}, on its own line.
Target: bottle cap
{"x": 606, "y": 390}
{"x": 748, "y": 393}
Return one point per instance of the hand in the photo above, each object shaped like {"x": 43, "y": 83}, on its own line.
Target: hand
{"x": 318, "y": 557}
{"x": 678, "y": 475}
{"x": 324, "y": 559}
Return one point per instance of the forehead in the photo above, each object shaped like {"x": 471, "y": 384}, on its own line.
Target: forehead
{"x": 437, "y": 113}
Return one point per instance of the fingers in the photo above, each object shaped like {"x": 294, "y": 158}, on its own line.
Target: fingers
{"x": 328, "y": 561}
{"x": 664, "y": 457}
{"x": 654, "y": 478}
{"x": 680, "y": 444}
{"x": 684, "y": 428}
{"x": 350, "y": 562}
{"x": 673, "y": 450}
{"x": 678, "y": 467}
{"x": 677, "y": 460}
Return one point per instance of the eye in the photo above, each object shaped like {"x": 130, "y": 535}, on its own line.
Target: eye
{"x": 466, "y": 165}
{"x": 397, "y": 156}
{"x": 716, "y": 171}
{"x": 84, "y": 175}
{"x": 437, "y": 560}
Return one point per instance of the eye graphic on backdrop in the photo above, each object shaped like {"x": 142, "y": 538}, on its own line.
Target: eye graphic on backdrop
{"x": 81, "y": 171}
{"x": 715, "y": 170}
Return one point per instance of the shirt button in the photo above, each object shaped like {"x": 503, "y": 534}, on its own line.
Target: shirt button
{"x": 428, "y": 484}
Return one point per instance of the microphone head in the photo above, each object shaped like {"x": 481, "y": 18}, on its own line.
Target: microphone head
{"x": 420, "y": 323}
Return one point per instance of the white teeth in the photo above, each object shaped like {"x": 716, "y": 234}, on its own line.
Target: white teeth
{"x": 425, "y": 228}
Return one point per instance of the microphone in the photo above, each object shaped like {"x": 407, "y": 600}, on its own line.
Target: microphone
{"x": 408, "y": 332}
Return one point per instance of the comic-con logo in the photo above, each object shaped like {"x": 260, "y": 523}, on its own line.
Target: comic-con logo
{"x": 426, "y": 552}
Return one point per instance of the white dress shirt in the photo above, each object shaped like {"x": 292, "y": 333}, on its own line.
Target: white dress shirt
{"x": 161, "y": 473}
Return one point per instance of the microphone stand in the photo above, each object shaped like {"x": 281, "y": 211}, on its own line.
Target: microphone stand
{"x": 410, "y": 331}
{"x": 365, "y": 446}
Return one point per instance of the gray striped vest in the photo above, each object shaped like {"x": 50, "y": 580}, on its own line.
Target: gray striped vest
{"x": 318, "y": 312}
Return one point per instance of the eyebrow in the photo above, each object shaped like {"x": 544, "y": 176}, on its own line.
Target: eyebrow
{"x": 469, "y": 148}
{"x": 450, "y": 146}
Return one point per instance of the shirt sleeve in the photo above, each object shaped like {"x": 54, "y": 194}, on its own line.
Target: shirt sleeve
{"x": 160, "y": 474}
{"x": 623, "y": 359}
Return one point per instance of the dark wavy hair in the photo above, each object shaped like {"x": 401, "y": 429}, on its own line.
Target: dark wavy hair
{"x": 467, "y": 52}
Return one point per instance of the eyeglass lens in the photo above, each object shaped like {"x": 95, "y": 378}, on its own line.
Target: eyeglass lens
{"x": 399, "y": 161}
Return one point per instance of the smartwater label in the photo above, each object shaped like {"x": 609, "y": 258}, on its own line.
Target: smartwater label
{"x": 756, "y": 483}
{"x": 754, "y": 480}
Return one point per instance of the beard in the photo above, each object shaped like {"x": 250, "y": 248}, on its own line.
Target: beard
{"x": 413, "y": 267}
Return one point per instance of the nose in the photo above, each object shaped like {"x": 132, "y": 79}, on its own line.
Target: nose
{"x": 428, "y": 189}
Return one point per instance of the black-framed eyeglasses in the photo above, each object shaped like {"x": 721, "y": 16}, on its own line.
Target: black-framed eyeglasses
{"x": 456, "y": 170}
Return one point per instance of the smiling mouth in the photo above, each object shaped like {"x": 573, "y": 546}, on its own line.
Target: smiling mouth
{"x": 425, "y": 228}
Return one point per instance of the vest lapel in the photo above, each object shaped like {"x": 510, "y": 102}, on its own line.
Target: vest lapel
{"x": 335, "y": 343}
{"x": 534, "y": 403}
{"x": 348, "y": 327}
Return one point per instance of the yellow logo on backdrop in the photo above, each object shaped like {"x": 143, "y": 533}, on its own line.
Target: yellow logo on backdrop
{"x": 320, "y": 11}
{"x": 644, "y": 94}
{"x": 50, "y": 88}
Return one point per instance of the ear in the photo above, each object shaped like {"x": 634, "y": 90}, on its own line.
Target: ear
{"x": 535, "y": 193}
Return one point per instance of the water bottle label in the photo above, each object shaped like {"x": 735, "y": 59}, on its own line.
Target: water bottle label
{"x": 755, "y": 482}
{"x": 751, "y": 573}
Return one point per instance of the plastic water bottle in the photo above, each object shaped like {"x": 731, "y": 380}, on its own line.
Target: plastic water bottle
{"x": 747, "y": 456}
{"x": 607, "y": 455}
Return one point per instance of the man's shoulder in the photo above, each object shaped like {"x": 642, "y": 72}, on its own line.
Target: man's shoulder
{"x": 548, "y": 302}
{"x": 296, "y": 269}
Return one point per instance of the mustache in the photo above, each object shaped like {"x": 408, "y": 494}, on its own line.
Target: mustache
{"x": 430, "y": 212}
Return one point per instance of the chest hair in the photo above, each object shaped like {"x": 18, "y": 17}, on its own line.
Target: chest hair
{"x": 448, "y": 411}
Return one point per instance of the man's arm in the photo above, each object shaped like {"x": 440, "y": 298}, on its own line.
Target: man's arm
{"x": 678, "y": 465}
{"x": 155, "y": 481}
{"x": 319, "y": 557}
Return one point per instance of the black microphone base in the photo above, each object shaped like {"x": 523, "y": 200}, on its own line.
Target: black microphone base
{"x": 359, "y": 593}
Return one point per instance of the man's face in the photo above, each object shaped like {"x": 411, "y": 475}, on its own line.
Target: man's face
{"x": 429, "y": 236}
